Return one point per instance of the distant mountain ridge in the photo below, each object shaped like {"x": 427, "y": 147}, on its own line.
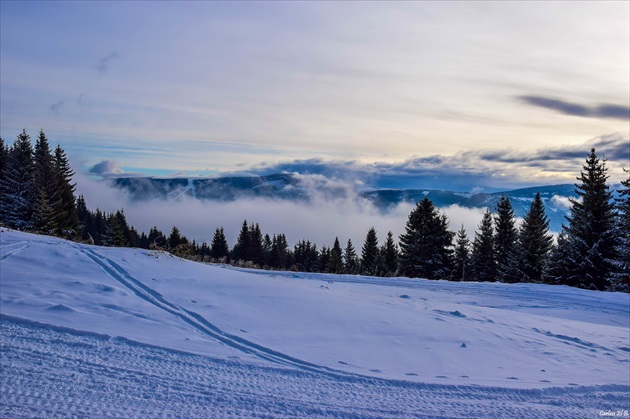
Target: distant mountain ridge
{"x": 291, "y": 187}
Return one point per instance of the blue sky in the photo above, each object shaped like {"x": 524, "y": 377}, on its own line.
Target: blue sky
{"x": 478, "y": 94}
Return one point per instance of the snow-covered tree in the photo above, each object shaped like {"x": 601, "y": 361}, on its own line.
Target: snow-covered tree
{"x": 425, "y": 247}
{"x": 18, "y": 185}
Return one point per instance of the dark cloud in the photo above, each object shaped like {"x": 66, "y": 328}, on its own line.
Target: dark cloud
{"x": 103, "y": 64}
{"x": 490, "y": 170}
{"x": 569, "y": 108}
{"x": 56, "y": 107}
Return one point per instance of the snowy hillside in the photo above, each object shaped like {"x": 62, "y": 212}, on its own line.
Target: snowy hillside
{"x": 95, "y": 331}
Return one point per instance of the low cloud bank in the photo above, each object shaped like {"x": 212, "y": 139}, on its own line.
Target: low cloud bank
{"x": 344, "y": 214}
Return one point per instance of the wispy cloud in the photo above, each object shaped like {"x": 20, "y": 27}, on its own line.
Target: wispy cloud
{"x": 575, "y": 109}
{"x": 57, "y": 106}
{"x": 103, "y": 63}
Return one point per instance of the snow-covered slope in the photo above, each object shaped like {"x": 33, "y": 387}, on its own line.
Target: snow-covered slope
{"x": 126, "y": 332}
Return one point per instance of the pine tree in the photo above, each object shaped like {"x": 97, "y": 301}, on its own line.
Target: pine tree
{"x": 242, "y": 246}
{"x": 621, "y": 275}
{"x": 335, "y": 263}
{"x": 426, "y": 244}
{"x": 44, "y": 173}
{"x": 18, "y": 185}
{"x": 43, "y": 216}
{"x": 350, "y": 259}
{"x": 534, "y": 243}
{"x": 483, "y": 266}
{"x": 461, "y": 256}
{"x": 559, "y": 263}
{"x": 4, "y": 158}
{"x": 369, "y": 253}
{"x": 256, "y": 251}
{"x": 280, "y": 257}
{"x": 591, "y": 229}
{"x": 505, "y": 239}
{"x": 86, "y": 220}
{"x": 64, "y": 201}
{"x": 305, "y": 257}
{"x": 156, "y": 238}
{"x": 388, "y": 265}
{"x": 219, "y": 249}
{"x": 324, "y": 259}
{"x": 175, "y": 238}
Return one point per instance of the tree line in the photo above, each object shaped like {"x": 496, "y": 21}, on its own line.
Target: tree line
{"x": 592, "y": 251}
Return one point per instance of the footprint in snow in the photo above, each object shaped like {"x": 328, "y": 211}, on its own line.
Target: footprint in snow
{"x": 379, "y": 371}
{"x": 441, "y": 376}
{"x": 342, "y": 363}
{"x": 412, "y": 374}
{"x": 512, "y": 378}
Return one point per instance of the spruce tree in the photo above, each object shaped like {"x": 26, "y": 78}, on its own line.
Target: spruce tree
{"x": 534, "y": 243}
{"x": 350, "y": 259}
{"x": 18, "y": 185}
{"x": 242, "y": 246}
{"x": 388, "y": 262}
{"x": 425, "y": 247}
{"x": 324, "y": 259}
{"x": 505, "y": 239}
{"x": 369, "y": 253}
{"x": 591, "y": 229}
{"x": 43, "y": 215}
{"x": 461, "y": 256}
{"x": 559, "y": 262}
{"x": 483, "y": 266}
{"x": 44, "y": 173}
{"x": 64, "y": 201}
{"x": 156, "y": 238}
{"x": 335, "y": 263}
{"x": 175, "y": 238}
{"x": 621, "y": 275}
{"x": 219, "y": 249}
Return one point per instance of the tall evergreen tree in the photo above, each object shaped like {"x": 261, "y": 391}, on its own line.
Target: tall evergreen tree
{"x": 219, "y": 249}
{"x": 559, "y": 262}
{"x": 64, "y": 201}
{"x": 505, "y": 239}
{"x": 621, "y": 275}
{"x": 350, "y": 259}
{"x": 44, "y": 170}
{"x": 18, "y": 185}
{"x": 175, "y": 238}
{"x": 483, "y": 265}
{"x": 242, "y": 246}
{"x": 156, "y": 238}
{"x": 305, "y": 256}
{"x": 369, "y": 253}
{"x": 388, "y": 261}
{"x": 461, "y": 256}
{"x": 426, "y": 244}
{"x": 591, "y": 229}
{"x": 335, "y": 263}
{"x": 534, "y": 243}
{"x": 324, "y": 259}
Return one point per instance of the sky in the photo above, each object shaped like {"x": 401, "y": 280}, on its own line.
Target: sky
{"x": 463, "y": 94}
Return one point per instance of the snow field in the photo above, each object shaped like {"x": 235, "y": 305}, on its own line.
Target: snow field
{"x": 227, "y": 342}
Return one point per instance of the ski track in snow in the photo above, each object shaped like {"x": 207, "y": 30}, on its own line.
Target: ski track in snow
{"x": 53, "y": 371}
{"x": 197, "y": 321}
{"x": 50, "y": 371}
